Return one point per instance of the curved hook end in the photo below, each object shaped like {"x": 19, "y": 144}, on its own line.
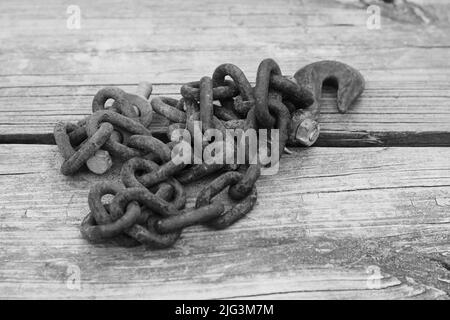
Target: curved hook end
{"x": 348, "y": 81}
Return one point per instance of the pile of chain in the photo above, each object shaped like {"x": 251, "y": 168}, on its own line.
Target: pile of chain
{"x": 148, "y": 207}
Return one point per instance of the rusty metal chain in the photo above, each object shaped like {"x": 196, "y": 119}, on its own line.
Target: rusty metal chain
{"x": 148, "y": 207}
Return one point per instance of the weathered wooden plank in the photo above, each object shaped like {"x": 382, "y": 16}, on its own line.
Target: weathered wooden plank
{"x": 322, "y": 227}
{"x": 172, "y": 42}
{"x": 295, "y": 33}
{"x": 380, "y": 117}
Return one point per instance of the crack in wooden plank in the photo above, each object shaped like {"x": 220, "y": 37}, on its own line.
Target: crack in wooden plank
{"x": 326, "y": 139}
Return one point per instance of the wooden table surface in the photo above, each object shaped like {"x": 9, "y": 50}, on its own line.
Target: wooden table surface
{"x": 363, "y": 214}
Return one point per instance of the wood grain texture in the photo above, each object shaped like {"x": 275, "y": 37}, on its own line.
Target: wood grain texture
{"x": 322, "y": 228}
{"x": 50, "y": 72}
{"x": 339, "y": 223}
